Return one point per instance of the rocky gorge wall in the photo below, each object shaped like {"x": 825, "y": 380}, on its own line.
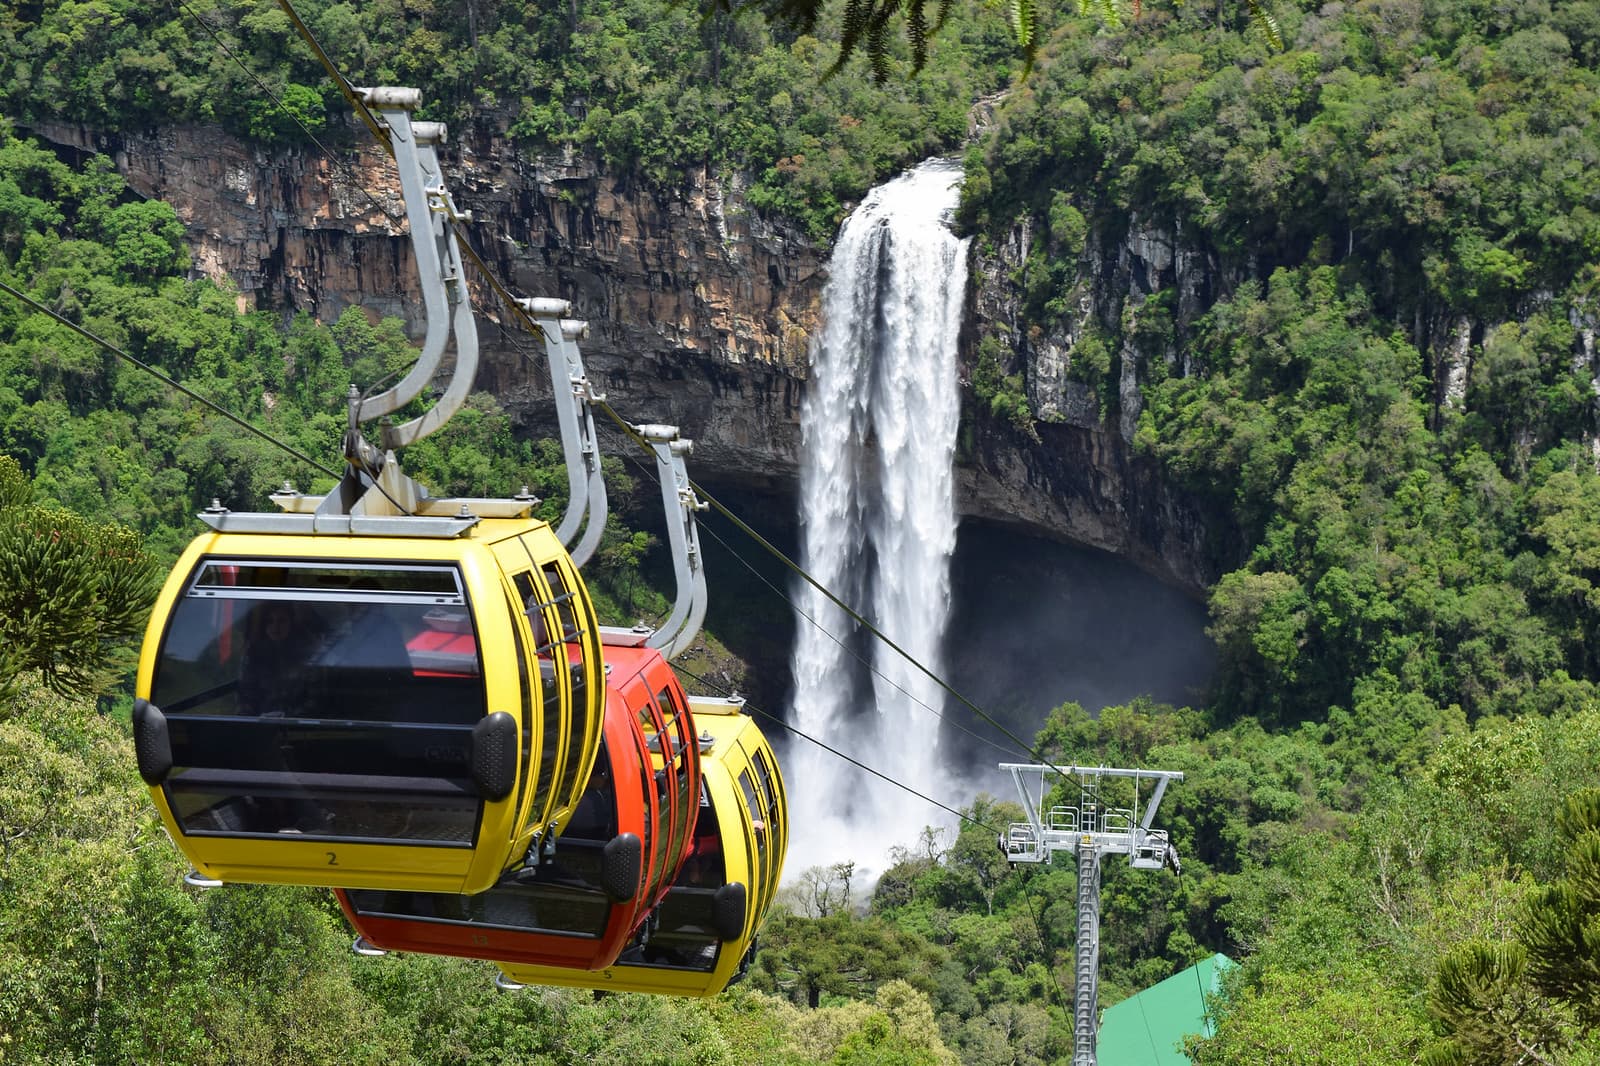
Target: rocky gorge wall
{"x": 700, "y": 312}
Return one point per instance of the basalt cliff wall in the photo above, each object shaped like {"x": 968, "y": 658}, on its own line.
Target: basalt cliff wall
{"x": 700, "y": 310}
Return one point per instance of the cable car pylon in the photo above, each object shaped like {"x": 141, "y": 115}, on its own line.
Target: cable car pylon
{"x": 1088, "y": 831}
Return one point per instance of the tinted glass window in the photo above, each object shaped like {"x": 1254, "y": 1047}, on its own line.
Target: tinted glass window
{"x": 303, "y": 579}
{"x": 596, "y": 816}
{"x": 685, "y": 936}
{"x": 571, "y": 632}
{"x": 277, "y": 796}
{"x": 758, "y": 818}
{"x": 683, "y": 801}
{"x": 775, "y": 826}
{"x": 704, "y": 868}
{"x": 525, "y": 723}
{"x": 647, "y": 725}
{"x": 553, "y": 909}
{"x": 646, "y": 772}
{"x": 649, "y": 722}
{"x": 672, "y": 711}
{"x": 331, "y": 701}
{"x": 685, "y": 951}
{"x": 753, "y": 804}
{"x": 771, "y": 794}
{"x": 551, "y": 721}
{"x": 364, "y": 653}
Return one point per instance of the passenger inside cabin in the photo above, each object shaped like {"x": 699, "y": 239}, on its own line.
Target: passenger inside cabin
{"x": 273, "y": 670}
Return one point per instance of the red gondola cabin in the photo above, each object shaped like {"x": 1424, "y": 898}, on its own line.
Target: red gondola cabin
{"x": 610, "y": 868}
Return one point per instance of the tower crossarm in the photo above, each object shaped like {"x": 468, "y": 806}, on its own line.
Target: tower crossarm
{"x": 1122, "y": 830}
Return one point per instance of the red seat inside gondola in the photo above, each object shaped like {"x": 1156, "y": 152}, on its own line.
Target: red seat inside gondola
{"x": 436, "y": 654}
{"x": 445, "y": 647}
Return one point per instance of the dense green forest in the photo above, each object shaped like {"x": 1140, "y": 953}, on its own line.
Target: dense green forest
{"x": 1382, "y": 393}
{"x": 651, "y": 89}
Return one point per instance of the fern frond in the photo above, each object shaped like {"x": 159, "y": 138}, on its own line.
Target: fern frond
{"x": 917, "y": 33}
{"x": 1024, "y": 21}
{"x": 878, "y": 53}
{"x": 1266, "y": 24}
{"x": 854, "y": 23}
{"x": 857, "y": 16}
{"x": 1108, "y": 11}
{"x": 878, "y": 40}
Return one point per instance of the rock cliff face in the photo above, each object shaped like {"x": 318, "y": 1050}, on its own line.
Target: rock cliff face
{"x": 699, "y": 309}
{"x": 1082, "y": 479}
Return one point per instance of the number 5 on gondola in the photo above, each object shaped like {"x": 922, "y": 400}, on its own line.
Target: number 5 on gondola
{"x": 415, "y": 707}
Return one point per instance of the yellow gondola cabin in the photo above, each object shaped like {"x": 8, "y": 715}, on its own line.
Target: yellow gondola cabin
{"x": 700, "y": 938}
{"x": 405, "y": 703}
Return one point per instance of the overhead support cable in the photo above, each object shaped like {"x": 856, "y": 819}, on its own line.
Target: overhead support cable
{"x": 843, "y": 646}
{"x": 167, "y": 381}
{"x": 349, "y": 91}
{"x": 1027, "y": 895}
{"x": 797, "y": 569}
{"x": 349, "y": 174}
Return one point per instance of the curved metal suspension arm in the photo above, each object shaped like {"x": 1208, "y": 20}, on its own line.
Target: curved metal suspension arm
{"x": 569, "y": 385}
{"x": 583, "y": 393}
{"x": 454, "y": 286}
{"x": 680, "y": 503}
{"x": 428, "y": 238}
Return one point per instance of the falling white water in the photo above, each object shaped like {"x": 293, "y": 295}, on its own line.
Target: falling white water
{"x": 878, "y": 426}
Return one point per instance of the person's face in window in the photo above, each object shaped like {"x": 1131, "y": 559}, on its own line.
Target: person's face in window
{"x": 279, "y": 623}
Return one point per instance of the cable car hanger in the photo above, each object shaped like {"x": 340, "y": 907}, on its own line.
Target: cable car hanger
{"x": 683, "y": 536}
{"x": 586, "y": 488}
{"x": 574, "y": 397}
{"x": 432, "y": 217}
{"x": 375, "y": 496}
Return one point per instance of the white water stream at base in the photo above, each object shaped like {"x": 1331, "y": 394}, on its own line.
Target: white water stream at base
{"x": 878, "y": 425}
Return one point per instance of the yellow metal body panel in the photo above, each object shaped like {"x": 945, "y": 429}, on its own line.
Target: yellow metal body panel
{"x": 503, "y": 829}
{"x": 561, "y": 614}
{"x": 737, "y": 741}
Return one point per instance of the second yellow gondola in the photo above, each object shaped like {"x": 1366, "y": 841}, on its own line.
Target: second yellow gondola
{"x": 307, "y": 713}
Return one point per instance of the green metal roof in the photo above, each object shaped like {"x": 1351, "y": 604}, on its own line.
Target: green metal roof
{"x": 1147, "y": 1029}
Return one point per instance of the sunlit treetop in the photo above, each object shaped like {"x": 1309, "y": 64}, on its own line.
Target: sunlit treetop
{"x": 870, "y": 25}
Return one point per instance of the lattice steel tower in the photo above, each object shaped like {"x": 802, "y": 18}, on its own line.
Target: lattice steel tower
{"x": 1089, "y": 831}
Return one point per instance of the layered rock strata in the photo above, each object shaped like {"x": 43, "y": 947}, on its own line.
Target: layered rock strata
{"x": 700, "y": 312}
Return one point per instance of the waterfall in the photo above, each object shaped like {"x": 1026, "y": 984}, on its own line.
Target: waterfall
{"x": 878, "y": 526}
